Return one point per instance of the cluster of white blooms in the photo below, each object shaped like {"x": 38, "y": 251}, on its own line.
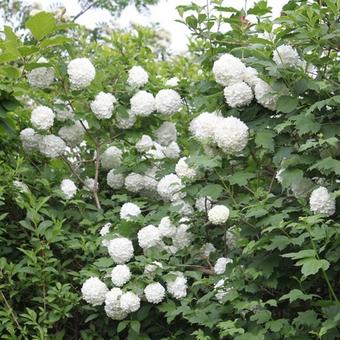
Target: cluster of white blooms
{"x": 90, "y": 184}
{"x": 183, "y": 170}
{"x": 134, "y": 182}
{"x": 203, "y": 204}
{"x": 81, "y": 72}
{"x": 204, "y": 125}
{"x": 169, "y": 188}
{"x": 221, "y": 265}
{"x": 182, "y": 238}
{"x": 129, "y": 211}
{"x": 230, "y": 239}
{"x": 238, "y": 95}
{"x": 94, "y": 291}
{"x": 184, "y": 208}
{"x": 142, "y": 104}
{"x": 138, "y": 77}
{"x": 120, "y": 274}
{"x": 30, "y": 139}
{"x": 166, "y": 227}
{"x": 62, "y": 111}
{"x": 286, "y": 55}
{"x": 265, "y": 96}
{"x": 154, "y": 292}
{"x": 129, "y": 302}
{"x": 126, "y": 122}
{"x": 219, "y": 214}
{"x": 178, "y": 287}
{"x": 172, "y": 82}
{"x": 72, "y": 134}
{"x": 221, "y": 291}
{"x": 168, "y": 102}
{"x": 148, "y": 237}
{"x": 114, "y": 180}
{"x": 105, "y": 229}
{"x": 42, "y": 117}
{"x": 68, "y": 187}
{"x": 250, "y": 76}
{"x": 120, "y": 249}
{"x": 321, "y": 202}
{"x": 111, "y": 157}
{"x": 166, "y": 133}
{"x": 41, "y": 77}
{"x": 150, "y": 181}
{"x": 103, "y": 104}
{"x": 144, "y": 144}
{"x": 207, "y": 249}
{"x": 112, "y": 305}
{"x": 52, "y": 146}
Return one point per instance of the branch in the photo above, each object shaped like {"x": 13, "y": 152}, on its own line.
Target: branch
{"x": 84, "y": 11}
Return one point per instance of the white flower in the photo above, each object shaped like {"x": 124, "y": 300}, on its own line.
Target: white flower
{"x": 62, "y": 111}
{"x": 154, "y": 293}
{"x": 129, "y": 302}
{"x": 72, "y": 134}
{"x": 207, "y": 249}
{"x": 129, "y": 211}
{"x": 52, "y": 146}
{"x": 105, "y": 229}
{"x": 203, "y": 203}
{"x": 42, "y": 117}
{"x": 90, "y": 184}
{"x": 120, "y": 275}
{"x": 41, "y": 77}
{"x": 169, "y": 188}
{"x": 221, "y": 264}
{"x": 221, "y": 292}
{"x": 68, "y": 187}
{"x": 137, "y": 77}
{"x": 30, "y": 139}
{"x": 144, "y": 144}
{"x": 172, "y": 150}
{"x": 172, "y": 82}
{"x": 148, "y": 237}
{"x": 21, "y": 186}
{"x": 219, "y": 214}
{"x": 265, "y": 96}
{"x": 182, "y": 237}
{"x": 183, "y": 170}
{"x": 166, "y": 133}
{"x": 228, "y": 70}
{"x": 157, "y": 152}
{"x": 112, "y": 305}
{"x": 286, "y": 55}
{"x": 114, "y": 180}
{"x": 182, "y": 207}
{"x": 168, "y": 101}
{"x": 230, "y": 239}
{"x": 250, "y": 76}
{"x": 111, "y": 157}
{"x": 121, "y": 250}
{"x": 178, "y": 287}
{"x": 203, "y": 126}
{"x": 238, "y": 94}
{"x": 166, "y": 228}
{"x": 102, "y": 105}
{"x": 94, "y": 291}
{"x": 126, "y": 122}
{"x": 81, "y": 72}
{"x": 231, "y": 135}
{"x": 150, "y": 181}
{"x": 321, "y": 202}
{"x": 142, "y": 104}
{"x": 278, "y": 175}
{"x": 134, "y": 182}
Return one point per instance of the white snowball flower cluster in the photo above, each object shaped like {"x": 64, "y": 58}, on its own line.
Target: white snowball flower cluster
{"x": 183, "y": 170}
{"x": 129, "y": 211}
{"x": 52, "y": 146}
{"x": 72, "y": 134}
{"x": 148, "y": 237}
{"x": 144, "y": 144}
{"x": 250, "y": 76}
{"x": 81, "y": 72}
{"x": 142, "y": 104}
{"x": 103, "y": 104}
{"x": 134, "y": 182}
{"x": 105, "y": 229}
{"x": 129, "y": 302}
{"x": 321, "y": 202}
{"x": 238, "y": 95}
{"x": 178, "y": 287}
{"x": 221, "y": 265}
{"x": 182, "y": 238}
{"x": 203, "y": 203}
{"x": 230, "y": 239}
{"x": 90, "y": 184}
{"x": 114, "y": 180}
{"x": 154, "y": 292}
{"x": 166, "y": 133}
{"x": 228, "y": 70}
{"x": 207, "y": 249}
{"x": 172, "y": 151}
{"x": 286, "y": 55}
{"x": 111, "y": 157}
{"x": 166, "y": 227}
{"x": 168, "y": 102}
{"x": 126, "y": 122}
{"x": 150, "y": 181}
{"x": 120, "y": 274}
{"x": 121, "y": 250}
{"x": 169, "y": 188}
{"x": 204, "y": 125}
{"x": 42, "y": 117}
{"x": 219, "y": 214}
{"x": 112, "y": 304}
{"x": 94, "y": 291}
{"x": 138, "y": 77}
{"x": 63, "y": 112}
{"x": 172, "y": 82}
{"x": 68, "y": 187}
{"x": 30, "y": 139}
{"x": 265, "y": 96}
{"x": 41, "y": 77}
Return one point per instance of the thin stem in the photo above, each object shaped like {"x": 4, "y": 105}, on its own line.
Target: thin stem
{"x": 10, "y": 309}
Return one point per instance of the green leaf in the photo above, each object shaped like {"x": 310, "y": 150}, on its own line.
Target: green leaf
{"x": 41, "y": 24}
{"x": 296, "y": 294}
{"x": 265, "y": 139}
{"x": 312, "y": 266}
{"x": 122, "y": 325}
{"x": 55, "y": 41}
{"x": 135, "y": 325}
{"x": 240, "y": 178}
{"x": 212, "y": 190}
{"x": 261, "y": 317}
{"x": 290, "y": 177}
{"x": 327, "y": 165}
{"x": 306, "y": 124}
{"x": 287, "y": 104}
{"x": 300, "y": 254}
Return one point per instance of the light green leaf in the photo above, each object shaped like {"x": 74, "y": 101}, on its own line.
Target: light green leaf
{"x": 287, "y": 104}
{"x": 265, "y": 139}
{"x": 212, "y": 190}
{"x": 296, "y": 294}
{"x": 41, "y": 24}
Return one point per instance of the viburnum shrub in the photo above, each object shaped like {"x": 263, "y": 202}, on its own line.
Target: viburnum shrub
{"x": 205, "y": 186}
